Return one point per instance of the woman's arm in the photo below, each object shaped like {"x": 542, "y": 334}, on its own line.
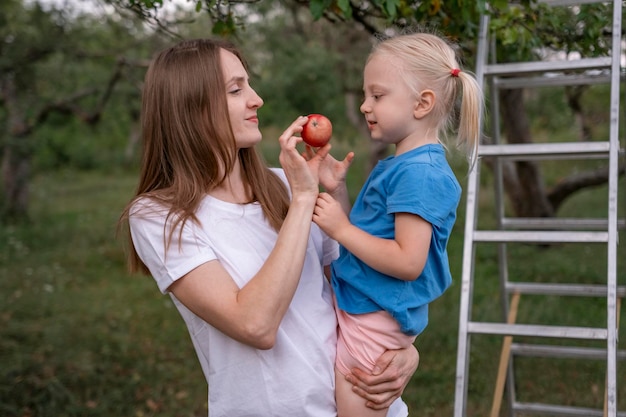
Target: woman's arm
{"x": 253, "y": 313}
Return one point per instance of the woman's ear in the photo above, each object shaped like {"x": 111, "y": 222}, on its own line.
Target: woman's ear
{"x": 424, "y": 104}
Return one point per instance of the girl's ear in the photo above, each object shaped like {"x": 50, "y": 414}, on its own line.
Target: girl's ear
{"x": 424, "y": 104}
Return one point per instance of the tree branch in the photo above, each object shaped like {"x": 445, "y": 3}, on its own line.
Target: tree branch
{"x": 69, "y": 104}
{"x": 575, "y": 182}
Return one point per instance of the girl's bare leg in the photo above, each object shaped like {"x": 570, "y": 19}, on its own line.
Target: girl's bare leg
{"x": 350, "y": 404}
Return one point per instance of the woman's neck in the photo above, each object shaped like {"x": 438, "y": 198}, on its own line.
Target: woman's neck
{"x": 234, "y": 189}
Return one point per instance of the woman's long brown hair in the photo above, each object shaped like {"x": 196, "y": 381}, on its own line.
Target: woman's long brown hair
{"x": 188, "y": 144}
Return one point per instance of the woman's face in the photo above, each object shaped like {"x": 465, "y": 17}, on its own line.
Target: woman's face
{"x": 242, "y": 100}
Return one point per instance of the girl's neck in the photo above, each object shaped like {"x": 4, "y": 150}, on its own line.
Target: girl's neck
{"x": 414, "y": 142}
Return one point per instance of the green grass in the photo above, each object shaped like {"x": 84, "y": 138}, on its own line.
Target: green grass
{"x": 81, "y": 337}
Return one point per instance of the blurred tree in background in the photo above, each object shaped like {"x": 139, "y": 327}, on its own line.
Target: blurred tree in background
{"x": 70, "y": 78}
{"x": 59, "y": 68}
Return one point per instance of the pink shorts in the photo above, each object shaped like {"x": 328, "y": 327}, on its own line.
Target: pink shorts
{"x": 362, "y": 338}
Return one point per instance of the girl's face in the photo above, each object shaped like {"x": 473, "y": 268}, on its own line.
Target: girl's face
{"x": 242, "y": 100}
{"x": 389, "y": 104}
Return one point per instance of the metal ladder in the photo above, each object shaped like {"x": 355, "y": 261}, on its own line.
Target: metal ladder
{"x": 493, "y": 76}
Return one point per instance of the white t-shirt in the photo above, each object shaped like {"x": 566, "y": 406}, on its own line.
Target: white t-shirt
{"x": 295, "y": 377}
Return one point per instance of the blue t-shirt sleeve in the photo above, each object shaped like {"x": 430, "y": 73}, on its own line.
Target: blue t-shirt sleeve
{"x": 424, "y": 190}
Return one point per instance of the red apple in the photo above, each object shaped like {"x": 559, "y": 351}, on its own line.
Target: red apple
{"x": 317, "y": 130}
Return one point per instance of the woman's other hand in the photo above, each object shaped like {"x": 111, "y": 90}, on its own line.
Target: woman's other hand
{"x": 391, "y": 375}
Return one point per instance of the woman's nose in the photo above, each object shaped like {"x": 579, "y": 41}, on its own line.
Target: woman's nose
{"x": 256, "y": 100}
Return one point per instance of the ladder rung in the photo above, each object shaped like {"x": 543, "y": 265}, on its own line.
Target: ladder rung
{"x": 570, "y": 150}
{"x": 517, "y": 68}
{"x": 581, "y": 290}
{"x": 570, "y": 332}
{"x": 540, "y": 236}
{"x": 560, "y": 223}
{"x": 567, "y": 352}
{"x": 559, "y": 410}
{"x": 552, "y": 80}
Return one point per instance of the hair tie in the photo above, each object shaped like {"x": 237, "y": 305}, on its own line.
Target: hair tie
{"x": 455, "y": 72}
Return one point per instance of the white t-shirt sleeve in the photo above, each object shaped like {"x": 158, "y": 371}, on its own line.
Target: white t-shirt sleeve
{"x": 149, "y": 234}
{"x": 331, "y": 249}
{"x": 398, "y": 409}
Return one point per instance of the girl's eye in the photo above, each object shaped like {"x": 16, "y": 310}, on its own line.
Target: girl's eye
{"x": 374, "y": 96}
{"x": 235, "y": 91}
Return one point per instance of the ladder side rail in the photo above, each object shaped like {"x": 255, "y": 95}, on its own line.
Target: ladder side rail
{"x": 503, "y": 269}
{"x": 499, "y": 196}
{"x": 467, "y": 283}
{"x": 502, "y": 250}
{"x": 462, "y": 362}
{"x": 611, "y": 379}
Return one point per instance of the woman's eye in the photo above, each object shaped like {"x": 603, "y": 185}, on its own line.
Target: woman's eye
{"x": 235, "y": 91}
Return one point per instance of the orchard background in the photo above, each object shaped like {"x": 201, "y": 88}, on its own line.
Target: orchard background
{"x": 81, "y": 337}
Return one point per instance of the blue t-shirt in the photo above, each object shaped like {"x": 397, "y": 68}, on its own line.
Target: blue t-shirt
{"x": 420, "y": 182}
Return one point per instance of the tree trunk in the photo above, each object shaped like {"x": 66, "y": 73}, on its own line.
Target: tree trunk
{"x": 15, "y": 181}
{"x": 15, "y": 168}
{"x": 522, "y": 179}
{"x": 574, "y": 95}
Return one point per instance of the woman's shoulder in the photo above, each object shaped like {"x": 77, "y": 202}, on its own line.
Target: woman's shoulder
{"x": 147, "y": 206}
{"x": 280, "y": 173}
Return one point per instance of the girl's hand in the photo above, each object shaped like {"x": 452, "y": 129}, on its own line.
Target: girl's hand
{"x": 332, "y": 173}
{"x": 302, "y": 174}
{"x": 389, "y": 378}
{"x": 330, "y": 216}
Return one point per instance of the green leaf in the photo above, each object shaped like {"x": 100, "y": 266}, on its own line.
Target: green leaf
{"x": 317, "y": 7}
{"x": 391, "y": 7}
{"x": 499, "y": 4}
{"x": 225, "y": 27}
{"x": 345, "y": 7}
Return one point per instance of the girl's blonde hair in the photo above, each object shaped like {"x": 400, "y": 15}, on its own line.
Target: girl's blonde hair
{"x": 188, "y": 144}
{"x": 429, "y": 62}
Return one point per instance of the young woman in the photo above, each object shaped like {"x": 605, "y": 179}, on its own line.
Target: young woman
{"x": 393, "y": 260}
{"x": 233, "y": 244}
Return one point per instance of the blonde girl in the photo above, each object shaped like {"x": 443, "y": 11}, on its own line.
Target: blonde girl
{"x": 393, "y": 260}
